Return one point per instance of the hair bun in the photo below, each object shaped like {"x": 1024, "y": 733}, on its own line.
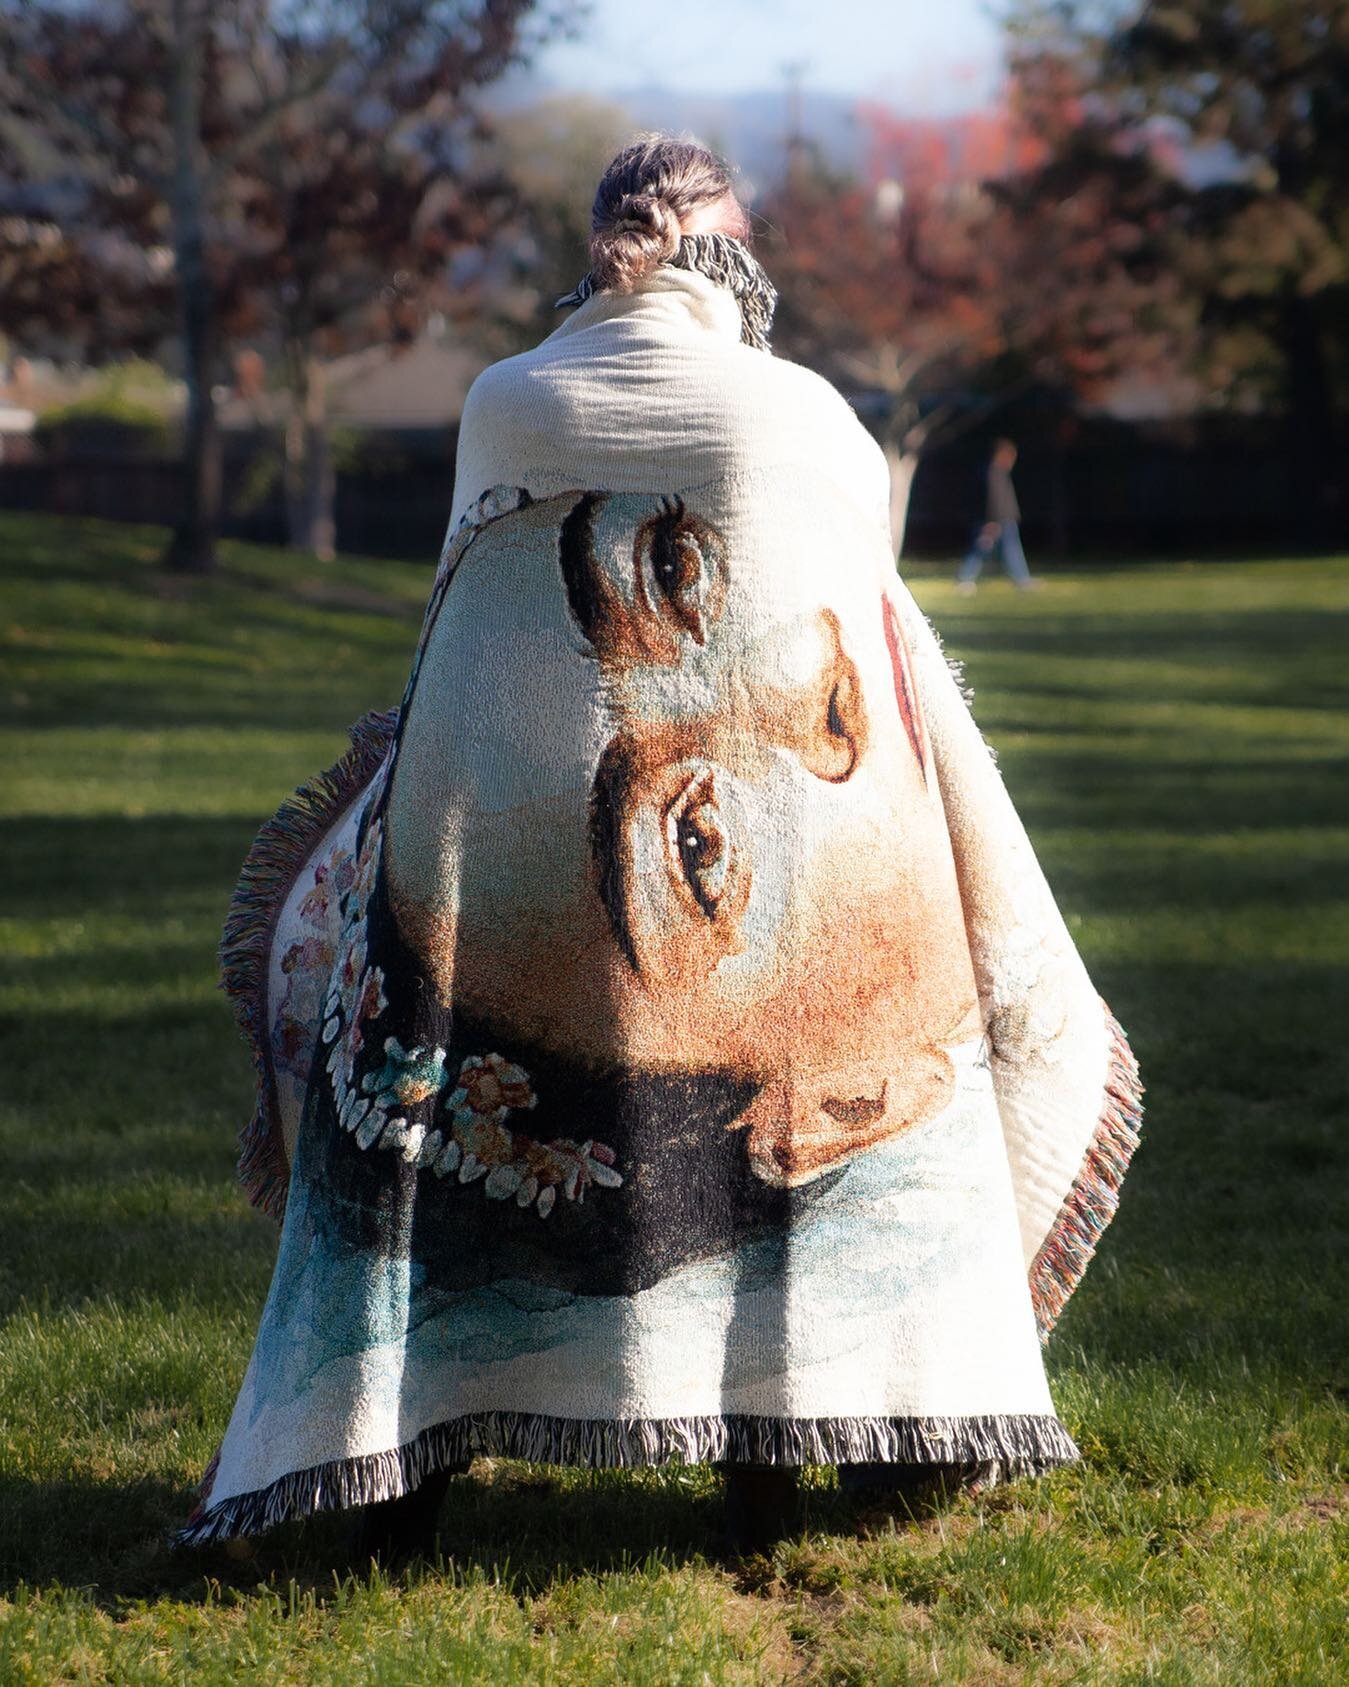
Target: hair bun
{"x": 649, "y": 222}
{"x": 640, "y": 211}
{"x": 636, "y": 221}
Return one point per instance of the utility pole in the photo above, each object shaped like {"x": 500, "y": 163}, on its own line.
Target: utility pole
{"x": 797, "y": 148}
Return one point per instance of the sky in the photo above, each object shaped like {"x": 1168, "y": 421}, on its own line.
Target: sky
{"x": 925, "y": 56}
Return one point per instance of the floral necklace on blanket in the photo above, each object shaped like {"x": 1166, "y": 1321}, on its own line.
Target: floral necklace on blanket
{"x": 462, "y": 1131}
{"x": 392, "y": 1085}
{"x": 728, "y": 262}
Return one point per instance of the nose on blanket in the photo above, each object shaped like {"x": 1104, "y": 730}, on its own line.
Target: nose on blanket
{"x": 800, "y": 1127}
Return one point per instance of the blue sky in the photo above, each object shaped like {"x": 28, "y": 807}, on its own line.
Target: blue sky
{"x": 918, "y": 55}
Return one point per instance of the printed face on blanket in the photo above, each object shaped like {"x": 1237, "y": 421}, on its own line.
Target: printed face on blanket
{"x": 706, "y": 911}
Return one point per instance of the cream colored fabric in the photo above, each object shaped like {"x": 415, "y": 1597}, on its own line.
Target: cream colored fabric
{"x": 1050, "y": 1041}
{"x": 653, "y": 389}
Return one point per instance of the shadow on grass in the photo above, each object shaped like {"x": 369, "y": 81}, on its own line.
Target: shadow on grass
{"x": 1200, "y": 797}
{"x": 216, "y": 693}
{"x": 60, "y": 867}
{"x": 1245, "y": 636}
{"x": 94, "y": 622}
{"x": 526, "y": 1527}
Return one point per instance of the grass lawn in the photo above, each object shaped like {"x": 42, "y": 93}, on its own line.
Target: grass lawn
{"x": 1177, "y": 738}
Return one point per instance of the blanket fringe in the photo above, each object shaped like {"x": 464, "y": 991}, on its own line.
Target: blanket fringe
{"x": 279, "y": 852}
{"x": 1066, "y": 1251}
{"x": 1021, "y": 1445}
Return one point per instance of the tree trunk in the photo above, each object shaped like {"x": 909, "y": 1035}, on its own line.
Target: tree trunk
{"x": 903, "y": 466}
{"x": 311, "y": 482}
{"x": 1313, "y": 481}
{"x": 192, "y": 547}
{"x": 1058, "y": 490}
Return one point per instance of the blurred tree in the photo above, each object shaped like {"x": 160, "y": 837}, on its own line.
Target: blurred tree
{"x": 356, "y": 212}
{"x": 891, "y": 290}
{"x": 292, "y": 171}
{"x": 1241, "y": 108}
{"x": 554, "y": 151}
{"x": 943, "y": 291}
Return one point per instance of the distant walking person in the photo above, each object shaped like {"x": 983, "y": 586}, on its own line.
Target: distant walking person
{"x": 1001, "y": 526}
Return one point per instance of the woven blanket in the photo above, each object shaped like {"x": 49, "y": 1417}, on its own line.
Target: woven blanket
{"x": 668, "y": 1045}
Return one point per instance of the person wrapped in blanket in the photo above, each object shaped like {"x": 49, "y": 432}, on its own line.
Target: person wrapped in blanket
{"x": 668, "y": 1045}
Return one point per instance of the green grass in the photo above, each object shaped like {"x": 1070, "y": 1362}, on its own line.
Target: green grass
{"x": 1178, "y": 741}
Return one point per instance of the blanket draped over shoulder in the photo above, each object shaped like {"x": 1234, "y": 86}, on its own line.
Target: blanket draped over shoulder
{"x": 668, "y": 1046}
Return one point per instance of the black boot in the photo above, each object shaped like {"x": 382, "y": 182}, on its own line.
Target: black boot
{"x": 760, "y": 1506}
{"x": 397, "y": 1531}
{"x": 912, "y": 1488}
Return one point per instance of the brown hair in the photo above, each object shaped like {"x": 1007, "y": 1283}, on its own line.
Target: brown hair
{"x": 644, "y": 195}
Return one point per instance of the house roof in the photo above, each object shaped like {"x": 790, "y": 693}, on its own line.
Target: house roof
{"x": 414, "y": 386}
{"x": 421, "y": 385}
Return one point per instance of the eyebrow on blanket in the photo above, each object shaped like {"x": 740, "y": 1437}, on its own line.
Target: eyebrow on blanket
{"x": 580, "y": 571}
{"x": 610, "y": 795}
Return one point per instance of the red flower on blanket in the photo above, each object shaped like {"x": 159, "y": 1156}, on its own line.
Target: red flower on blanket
{"x": 351, "y": 973}
{"x": 367, "y": 867}
{"x": 305, "y": 967}
{"x": 583, "y": 1164}
{"x": 515, "y": 1166}
{"x": 490, "y": 1087}
{"x": 333, "y": 877}
{"x": 308, "y": 956}
{"x": 370, "y": 1003}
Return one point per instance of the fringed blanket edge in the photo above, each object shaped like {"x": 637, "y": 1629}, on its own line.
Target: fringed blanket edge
{"x": 278, "y": 854}
{"x": 1018, "y": 1445}
{"x": 1093, "y": 1199}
